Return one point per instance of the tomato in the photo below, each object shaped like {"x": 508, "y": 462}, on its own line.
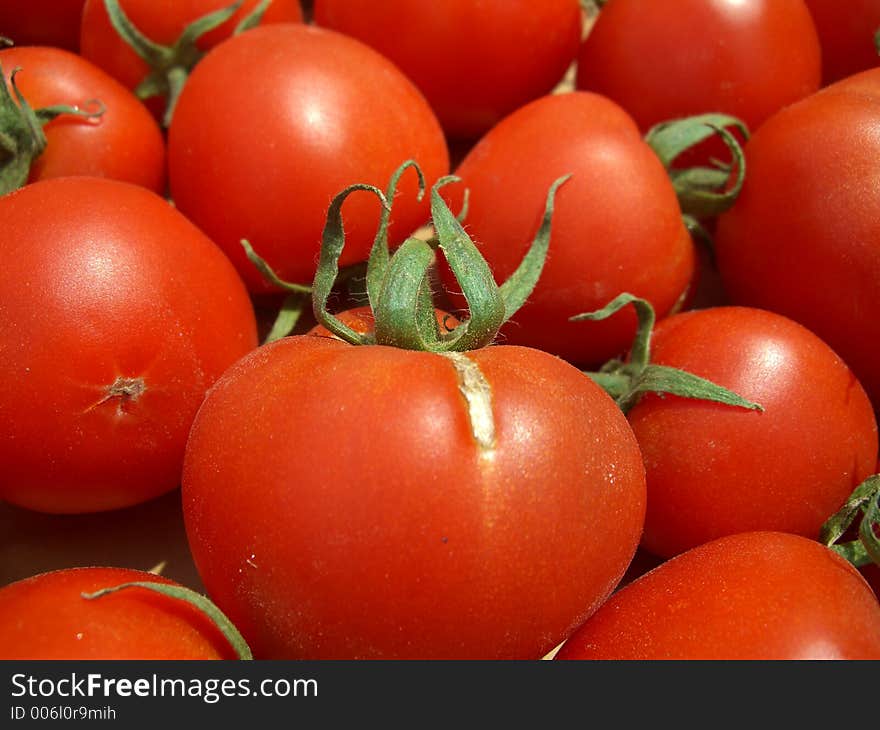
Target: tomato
{"x": 124, "y": 143}
{"x": 339, "y": 504}
{"x": 47, "y": 617}
{"x": 755, "y": 595}
{"x": 846, "y": 35}
{"x": 42, "y": 22}
{"x": 678, "y": 58}
{"x": 713, "y": 469}
{"x": 802, "y": 237}
{"x": 162, "y": 21}
{"x": 118, "y": 314}
{"x": 617, "y": 224}
{"x": 476, "y": 62}
{"x": 304, "y": 140}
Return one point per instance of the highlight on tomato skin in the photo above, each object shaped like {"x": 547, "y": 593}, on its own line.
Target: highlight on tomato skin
{"x": 750, "y": 596}
{"x": 47, "y": 617}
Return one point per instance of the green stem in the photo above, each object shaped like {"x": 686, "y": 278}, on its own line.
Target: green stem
{"x": 198, "y": 601}
{"x": 627, "y": 381}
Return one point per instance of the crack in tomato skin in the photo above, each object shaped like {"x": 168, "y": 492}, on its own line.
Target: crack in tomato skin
{"x": 477, "y": 392}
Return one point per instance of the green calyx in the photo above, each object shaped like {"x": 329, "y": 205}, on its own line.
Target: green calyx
{"x": 197, "y": 600}
{"x": 626, "y": 381}
{"x": 703, "y": 192}
{"x": 864, "y": 500}
{"x": 170, "y": 65}
{"x": 21, "y": 131}
{"x": 399, "y": 284}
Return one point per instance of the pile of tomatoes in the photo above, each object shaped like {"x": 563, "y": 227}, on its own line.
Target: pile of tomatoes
{"x": 460, "y": 330}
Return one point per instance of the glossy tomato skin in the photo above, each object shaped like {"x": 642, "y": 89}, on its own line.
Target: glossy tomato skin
{"x": 802, "y": 237}
{"x": 469, "y": 58}
{"x": 679, "y": 58}
{"x": 42, "y": 22}
{"x": 372, "y": 525}
{"x": 751, "y": 596}
{"x": 125, "y": 143}
{"x": 617, "y": 224}
{"x": 715, "y": 470}
{"x": 300, "y": 113}
{"x": 46, "y": 617}
{"x": 118, "y": 315}
{"x": 162, "y": 21}
{"x": 846, "y": 34}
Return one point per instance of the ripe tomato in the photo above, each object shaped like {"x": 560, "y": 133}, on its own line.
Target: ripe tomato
{"x": 802, "y": 237}
{"x": 678, "y": 58}
{"x": 124, "y": 143}
{"x": 617, "y": 225}
{"x": 714, "y": 470}
{"x": 485, "y": 72}
{"x": 47, "y": 617}
{"x": 42, "y": 22}
{"x": 339, "y": 505}
{"x": 322, "y": 110}
{"x": 846, "y": 35}
{"x": 162, "y": 21}
{"x": 118, "y": 314}
{"x": 756, "y": 595}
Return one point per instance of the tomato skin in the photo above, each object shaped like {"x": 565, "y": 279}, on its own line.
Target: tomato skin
{"x": 125, "y": 143}
{"x": 42, "y": 22}
{"x": 371, "y": 525}
{"x": 484, "y": 74}
{"x": 715, "y": 470}
{"x": 599, "y": 247}
{"x": 162, "y": 21}
{"x": 679, "y": 58}
{"x": 846, "y": 36}
{"x": 334, "y": 132}
{"x": 105, "y": 280}
{"x": 801, "y": 238}
{"x": 751, "y": 596}
{"x": 46, "y": 617}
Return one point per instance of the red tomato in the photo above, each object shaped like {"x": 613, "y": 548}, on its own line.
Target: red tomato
{"x": 162, "y": 21}
{"x": 339, "y": 505}
{"x": 42, "y": 22}
{"x": 118, "y": 314}
{"x": 617, "y": 226}
{"x": 125, "y": 143}
{"x": 678, "y": 58}
{"x": 802, "y": 238}
{"x": 46, "y": 617}
{"x": 475, "y": 62}
{"x": 320, "y": 110}
{"x": 755, "y": 595}
{"x": 846, "y": 35}
{"x": 715, "y": 470}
